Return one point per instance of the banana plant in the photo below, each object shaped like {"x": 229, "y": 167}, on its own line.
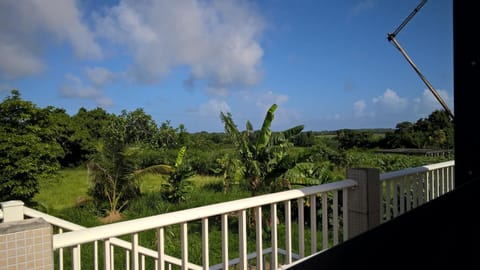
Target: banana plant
{"x": 263, "y": 153}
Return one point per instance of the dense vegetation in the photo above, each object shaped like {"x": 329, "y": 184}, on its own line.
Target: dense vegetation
{"x": 118, "y": 150}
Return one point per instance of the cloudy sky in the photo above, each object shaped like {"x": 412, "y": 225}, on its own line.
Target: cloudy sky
{"x": 327, "y": 64}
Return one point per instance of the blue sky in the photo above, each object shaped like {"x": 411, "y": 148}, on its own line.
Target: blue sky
{"x": 327, "y": 64}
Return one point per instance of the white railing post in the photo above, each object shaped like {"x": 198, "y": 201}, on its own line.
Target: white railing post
{"x": 363, "y": 200}
{"x": 12, "y": 211}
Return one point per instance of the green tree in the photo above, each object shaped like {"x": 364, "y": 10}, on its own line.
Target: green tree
{"x": 178, "y": 185}
{"x": 263, "y": 154}
{"x": 29, "y": 150}
{"x": 88, "y": 129}
{"x": 113, "y": 171}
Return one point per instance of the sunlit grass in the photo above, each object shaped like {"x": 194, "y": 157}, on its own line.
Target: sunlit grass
{"x": 63, "y": 191}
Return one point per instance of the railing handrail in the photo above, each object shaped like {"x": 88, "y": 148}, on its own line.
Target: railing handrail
{"x": 415, "y": 170}
{"x": 147, "y": 223}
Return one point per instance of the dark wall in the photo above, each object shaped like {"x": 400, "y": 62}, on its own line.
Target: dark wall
{"x": 466, "y": 64}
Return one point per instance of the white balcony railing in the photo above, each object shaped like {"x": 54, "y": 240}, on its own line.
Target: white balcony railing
{"x": 303, "y": 233}
{"x": 403, "y": 190}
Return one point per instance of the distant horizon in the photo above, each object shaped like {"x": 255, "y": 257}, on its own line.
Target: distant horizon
{"x": 328, "y": 65}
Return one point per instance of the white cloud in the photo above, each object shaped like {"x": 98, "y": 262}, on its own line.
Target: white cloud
{"x": 26, "y": 27}
{"x": 391, "y": 102}
{"x": 99, "y": 76}
{"x": 359, "y": 108}
{"x": 217, "y": 40}
{"x": 427, "y": 103}
{"x": 75, "y": 88}
{"x": 213, "y": 108}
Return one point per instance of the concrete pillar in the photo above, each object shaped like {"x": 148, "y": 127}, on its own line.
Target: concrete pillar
{"x": 363, "y": 200}
{"x": 12, "y": 211}
{"x": 26, "y": 244}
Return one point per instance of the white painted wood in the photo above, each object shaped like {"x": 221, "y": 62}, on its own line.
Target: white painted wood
{"x": 382, "y": 201}
{"x": 76, "y": 258}
{"x": 258, "y": 234}
{"x": 403, "y": 197}
{"x": 112, "y": 256}
{"x": 127, "y": 259}
{"x": 420, "y": 169}
{"x": 301, "y": 227}
{"x": 414, "y": 191}
{"x": 345, "y": 213}
{"x": 408, "y": 193}
{"x": 225, "y": 240}
{"x": 335, "y": 217}
{"x": 184, "y": 245}
{"x": 242, "y": 239}
{"x": 313, "y": 224}
{"x": 288, "y": 231}
{"x": 273, "y": 224}
{"x": 387, "y": 201}
{"x": 167, "y": 219}
{"x": 324, "y": 220}
{"x": 60, "y": 253}
{"x": 142, "y": 262}
{"x": 395, "y": 197}
{"x": 95, "y": 255}
{"x": 161, "y": 248}
{"x": 205, "y": 246}
{"x": 106, "y": 254}
{"x": 135, "y": 257}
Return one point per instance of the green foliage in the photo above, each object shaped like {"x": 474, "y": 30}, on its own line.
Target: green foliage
{"x": 177, "y": 186}
{"x": 263, "y": 154}
{"x": 29, "y": 150}
{"x": 112, "y": 170}
{"x": 436, "y": 132}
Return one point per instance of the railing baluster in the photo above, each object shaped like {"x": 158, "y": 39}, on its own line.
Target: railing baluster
{"x": 335, "y": 217}
{"x": 259, "y": 244}
{"x": 387, "y": 200}
{"x": 313, "y": 224}
{"x": 106, "y": 254}
{"x": 288, "y": 231}
{"x": 408, "y": 188}
{"x": 184, "y": 245}
{"x": 430, "y": 186}
{"x": 382, "y": 201}
{"x": 135, "y": 261}
{"x": 242, "y": 235}
{"x": 127, "y": 259}
{"x": 345, "y": 214}
{"x": 415, "y": 191}
{"x": 225, "y": 241}
{"x": 76, "y": 258}
{"x": 161, "y": 248}
{"x": 60, "y": 253}
{"x": 395, "y": 197}
{"x": 142, "y": 262}
{"x": 402, "y": 197}
{"x": 112, "y": 257}
{"x": 205, "y": 254}
{"x": 324, "y": 220}
{"x": 301, "y": 227}
{"x": 95, "y": 255}
{"x": 443, "y": 177}
{"x": 273, "y": 221}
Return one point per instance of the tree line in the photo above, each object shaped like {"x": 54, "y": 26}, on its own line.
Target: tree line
{"x": 36, "y": 142}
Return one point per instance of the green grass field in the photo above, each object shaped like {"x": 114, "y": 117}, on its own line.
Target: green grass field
{"x": 71, "y": 187}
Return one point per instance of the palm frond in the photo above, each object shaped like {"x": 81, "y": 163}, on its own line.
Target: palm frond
{"x": 266, "y": 132}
